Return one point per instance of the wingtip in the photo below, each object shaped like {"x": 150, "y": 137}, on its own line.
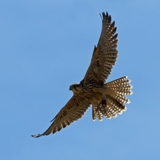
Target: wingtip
{"x": 101, "y": 15}
{"x": 36, "y": 136}
{"x": 104, "y": 14}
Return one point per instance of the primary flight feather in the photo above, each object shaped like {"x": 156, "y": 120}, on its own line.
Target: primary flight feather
{"x": 107, "y": 99}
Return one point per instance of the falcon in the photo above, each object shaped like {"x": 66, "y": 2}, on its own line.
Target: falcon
{"x": 107, "y": 99}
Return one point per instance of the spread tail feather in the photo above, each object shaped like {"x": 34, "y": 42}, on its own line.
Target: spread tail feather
{"x": 115, "y": 92}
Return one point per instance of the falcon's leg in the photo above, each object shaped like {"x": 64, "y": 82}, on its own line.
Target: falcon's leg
{"x": 102, "y": 105}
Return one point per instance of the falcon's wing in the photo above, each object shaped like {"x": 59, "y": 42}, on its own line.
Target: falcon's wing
{"x": 105, "y": 54}
{"x": 72, "y": 111}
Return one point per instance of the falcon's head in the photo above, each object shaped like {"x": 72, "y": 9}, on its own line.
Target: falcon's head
{"x": 75, "y": 88}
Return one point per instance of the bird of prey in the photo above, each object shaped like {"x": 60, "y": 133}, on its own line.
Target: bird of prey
{"x": 107, "y": 99}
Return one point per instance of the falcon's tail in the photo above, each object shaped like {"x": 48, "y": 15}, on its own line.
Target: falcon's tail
{"x": 115, "y": 92}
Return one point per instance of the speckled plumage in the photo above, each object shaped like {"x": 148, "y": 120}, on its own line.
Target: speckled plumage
{"x": 93, "y": 90}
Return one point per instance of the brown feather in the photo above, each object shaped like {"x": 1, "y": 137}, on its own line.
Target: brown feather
{"x": 105, "y": 54}
{"x": 92, "y": 87}
{"x": 71, "y": 112}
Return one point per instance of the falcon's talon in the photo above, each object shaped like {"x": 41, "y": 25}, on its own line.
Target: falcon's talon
{"x": 102, "y": 107}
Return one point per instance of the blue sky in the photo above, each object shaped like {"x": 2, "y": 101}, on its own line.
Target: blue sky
{"x": 46, "y": 46}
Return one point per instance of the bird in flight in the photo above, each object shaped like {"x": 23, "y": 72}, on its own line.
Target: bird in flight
{"x": 107, "y": 99}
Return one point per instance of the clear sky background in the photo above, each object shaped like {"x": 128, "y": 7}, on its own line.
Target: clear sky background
{"x": 46, "y": 45}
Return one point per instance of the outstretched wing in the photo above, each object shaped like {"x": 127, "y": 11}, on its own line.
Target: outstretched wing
{"x": 105, "y": 54}
{"x": 72, "y": 111}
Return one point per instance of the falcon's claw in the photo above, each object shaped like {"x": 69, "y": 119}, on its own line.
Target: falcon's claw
{"x": 102, "y": 107}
